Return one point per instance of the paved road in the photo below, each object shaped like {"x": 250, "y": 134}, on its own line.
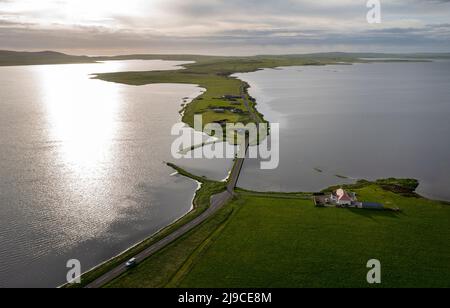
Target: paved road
{"x": 236, "y": 171}
{"x": 217, "y": 202}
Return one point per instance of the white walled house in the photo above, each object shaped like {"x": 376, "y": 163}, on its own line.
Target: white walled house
{"x": 343, "y": 198}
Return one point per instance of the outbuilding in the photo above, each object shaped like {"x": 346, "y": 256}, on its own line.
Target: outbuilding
{"x": 372, "y": 206}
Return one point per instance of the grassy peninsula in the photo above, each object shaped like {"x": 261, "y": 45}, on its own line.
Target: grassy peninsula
{"x": 223, "y": 101}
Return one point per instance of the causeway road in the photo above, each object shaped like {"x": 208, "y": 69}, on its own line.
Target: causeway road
{"x": 217, "y": 202}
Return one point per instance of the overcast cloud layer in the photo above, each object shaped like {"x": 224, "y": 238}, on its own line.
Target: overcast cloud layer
{"x": 222, "y": 26}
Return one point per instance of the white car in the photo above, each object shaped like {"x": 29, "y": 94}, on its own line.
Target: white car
{"x": 131, "y": 263}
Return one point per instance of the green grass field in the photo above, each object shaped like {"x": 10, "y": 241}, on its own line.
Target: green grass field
{"x": 282, "y": 240}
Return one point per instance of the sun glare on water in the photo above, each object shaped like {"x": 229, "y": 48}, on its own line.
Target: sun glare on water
{"x": 82, "y": 115}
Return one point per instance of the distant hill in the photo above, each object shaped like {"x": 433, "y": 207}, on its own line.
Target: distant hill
{"x": 329, "y": 55}
{"x": 11, "y": 58}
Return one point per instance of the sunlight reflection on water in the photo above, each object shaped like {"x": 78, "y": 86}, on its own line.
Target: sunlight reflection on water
{"x": 82, "y": 173}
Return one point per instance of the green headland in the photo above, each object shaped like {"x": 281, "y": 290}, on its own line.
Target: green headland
{"x": 223, "y": 101}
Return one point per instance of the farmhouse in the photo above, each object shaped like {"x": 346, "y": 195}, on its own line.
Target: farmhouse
{"x": 344, "y": 199}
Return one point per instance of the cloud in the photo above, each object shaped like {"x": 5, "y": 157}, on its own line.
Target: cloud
{"x": 215, "y": 26}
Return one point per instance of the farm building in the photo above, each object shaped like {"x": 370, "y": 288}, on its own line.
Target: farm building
{"x": 344, "y": 199}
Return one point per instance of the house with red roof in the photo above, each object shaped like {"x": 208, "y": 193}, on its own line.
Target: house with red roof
{"x": 343, "y": 198}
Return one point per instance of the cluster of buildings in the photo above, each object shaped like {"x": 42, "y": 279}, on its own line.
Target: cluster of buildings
{"x": 224, "y": 109}
{"x": 231, "y": 97}
{"x": 344, "y": 199}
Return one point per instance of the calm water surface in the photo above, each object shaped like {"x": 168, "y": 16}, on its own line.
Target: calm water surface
{"x": 362, "y": 121}
{"x": 81, "y": 169}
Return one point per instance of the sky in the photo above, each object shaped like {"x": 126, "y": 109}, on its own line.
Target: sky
{"x": 223, "y": 27}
